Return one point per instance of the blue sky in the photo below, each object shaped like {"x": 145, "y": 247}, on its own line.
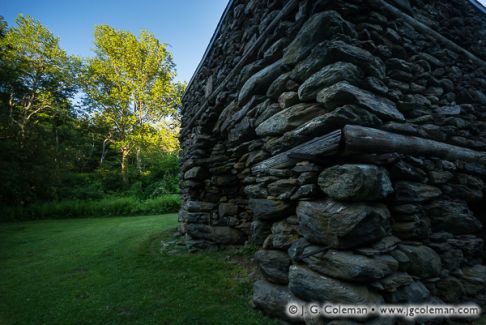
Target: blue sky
{"x": 186, "y": 25}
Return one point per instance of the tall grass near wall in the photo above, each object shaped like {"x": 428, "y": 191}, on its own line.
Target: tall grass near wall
{"x": 110, "y": 206}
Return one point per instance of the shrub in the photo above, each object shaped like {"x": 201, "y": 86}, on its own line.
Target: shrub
{"x": 111, "y": 206}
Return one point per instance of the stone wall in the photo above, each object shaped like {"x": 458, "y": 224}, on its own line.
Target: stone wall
{"x": 347, "y": 140}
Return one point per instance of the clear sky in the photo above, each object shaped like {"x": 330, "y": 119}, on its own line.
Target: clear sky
{"x": 186, "y": 25}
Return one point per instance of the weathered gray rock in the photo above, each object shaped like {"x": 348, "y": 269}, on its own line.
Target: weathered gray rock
{"x": 259, "y": 82}
{"x": 355, "y": 182}
{"x": 194, "y": 217}
{"x": 242, "y": 131}
{"x": 312, "y": 286}
{"x": 328, "y": 76}
{"x": 196, "y": 173}
{"x": 471, "y": 245}
{"x": 256, "y": 191}
{"x": 269, "y": 209}
{"x": 470, "y": 188}
{"x": 348, "y": 266}
{"x": 312, "y": 63}
{"x": 394, "y": 281}
{"x": 259, "y": 230}
{"x": 288, "y": 99}
{"x": 448, "y": 110}
{"x": 281, "y": 84}
{"x": 218, "y": 234}
{"x": 305, "y": 191}
{"x": 416, "y": 228}
{"x": 227, "y": 209}
{"x": 450, "y": 256}
{"x": 450, "y": 290}
{"x": 415, "y": 192}
{"x": 405, "y": 171}
{"x": 272, "y": 299}
{"x": 319, "y": 27}
{"x": 288, "y": 119}
{"x": 424, "y": 261}
{"x": 453, "y": 216}
{"x": 283, "y": 234}
{"x": 414, "y": 293}
{"x": 296, "y": 250}
{"x": 274, "y": 265}
{"x": 344, "y": 93}
{"x": 322, "y": 124}
{"x": 340, "y": 51}
{"x": 385, "y": 245}
{"x": 283, "y": 188}
{"x": 196, "y": 206}
{"x": 340, "y": 225}
{"x": 474, "y": 279}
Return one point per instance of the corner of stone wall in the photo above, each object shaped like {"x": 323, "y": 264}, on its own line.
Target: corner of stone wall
{"x": 346, "y": 141}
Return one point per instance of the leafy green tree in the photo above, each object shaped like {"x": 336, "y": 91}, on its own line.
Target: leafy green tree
{"x": 130, "y": 82}
{"x": 37, "y": 124}
{"x": 41, "y": 76}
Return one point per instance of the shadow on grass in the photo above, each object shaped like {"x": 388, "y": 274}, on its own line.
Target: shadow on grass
{"x": 110, "y": 270}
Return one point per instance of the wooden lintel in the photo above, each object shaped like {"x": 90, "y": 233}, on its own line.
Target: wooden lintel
{"x": 363, "y": 139}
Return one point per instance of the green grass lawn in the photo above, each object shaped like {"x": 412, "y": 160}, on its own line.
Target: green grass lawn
{"x": 111, "y": 271}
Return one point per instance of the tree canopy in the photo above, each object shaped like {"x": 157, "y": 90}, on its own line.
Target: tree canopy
{"x": 130, "y": 83}
{"x": 82, "y": 127}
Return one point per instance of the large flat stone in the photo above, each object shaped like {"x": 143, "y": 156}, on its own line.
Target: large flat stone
{"x": 414, "y": 293}
{"x": 283, "y": 234}
{"x": 344, "y": 93}
{"x": 311, "y": 286}
{"x": 272, "y": 299}
{"x": 217, "y": 234}
{"x": 274, "y": 265}
{"x": 328, "y": 76}
{"x": 319, "y": 27}
{"x": 340, "y": 51}
{"x": 349, "y": 266}
{"x": 453, "y": 216}
{"x": 355, "y": 182}
{"x": 342, "y": 225}
{"x": 259, "y": 231}
{"x": 260, "y": 81}
{"x": 288, "y": 119}
{"x": 196, "y": 173}
{"x": 415, "y": 192}
{"x": 264, "y": 209}
{"x": 423, "y": 261}
{"x": 336, "y": 119}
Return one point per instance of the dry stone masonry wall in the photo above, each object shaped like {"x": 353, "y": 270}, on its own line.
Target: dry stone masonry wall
{"x": 347, "y": 140}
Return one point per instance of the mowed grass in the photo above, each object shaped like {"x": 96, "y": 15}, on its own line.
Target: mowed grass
{"x": 111, "y": 271}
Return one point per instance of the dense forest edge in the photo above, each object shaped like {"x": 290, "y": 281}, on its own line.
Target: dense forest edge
{"x": 92, "y": 136}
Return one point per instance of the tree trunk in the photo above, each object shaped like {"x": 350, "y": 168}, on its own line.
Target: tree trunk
{"x": 103, "y": 152}
{"x": 139, "y": 161}
{"x": 22, "y": 135}
{"x": 124, "y": 166}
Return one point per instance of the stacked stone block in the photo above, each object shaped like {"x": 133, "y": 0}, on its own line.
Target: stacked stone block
{"x": 348, "y": 143}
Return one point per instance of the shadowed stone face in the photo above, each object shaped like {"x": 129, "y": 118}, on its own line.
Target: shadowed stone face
{"x": 342, "y": 225}
{"x": 328, "y": 76}
{"x": 319, "y": 27}
{"x": 345, "y": 141}
{"x": 312, "y": 286}
{"x": 345, "y": 93}
{"x": 356, "y": 182}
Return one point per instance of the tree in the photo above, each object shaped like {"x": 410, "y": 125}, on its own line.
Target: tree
{"x": 37, "y": 75}
{"x": 130, "y": 83}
